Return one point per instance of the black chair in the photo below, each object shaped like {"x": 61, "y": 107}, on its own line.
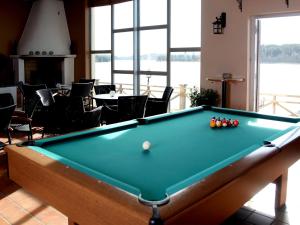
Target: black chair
{"x": 6, "y": 99}
{"x": 82, "y": 90}
{"x": 22, "y": 121}
{"x": 82, "y": 80}
{"x": 129, "y": 107}
{"x": 103, "y": 89}
{"x": 6, "y": 115}
{"x": 49, "y": 114}
{"x": 157, "y": 106}
{"x": 74, "y": 116}
{"x": 20, "y": 88}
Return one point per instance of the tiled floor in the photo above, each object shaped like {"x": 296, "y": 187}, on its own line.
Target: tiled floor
{"x": 260, "y": 211}
{"x": 18, "y": 207}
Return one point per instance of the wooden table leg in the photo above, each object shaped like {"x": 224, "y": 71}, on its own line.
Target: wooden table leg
{"x": 281, "y": 190}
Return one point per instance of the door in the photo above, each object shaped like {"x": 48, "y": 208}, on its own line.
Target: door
{"x": 277, "y": 58}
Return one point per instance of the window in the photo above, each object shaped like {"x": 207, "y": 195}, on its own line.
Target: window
{"x": 153, "y": 50}
{"x": 147, "y": 44}
{"x": 101, "y": 43}
{"x": 123, "y": 49}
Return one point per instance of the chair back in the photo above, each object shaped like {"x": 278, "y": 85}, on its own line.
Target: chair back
{"x": 6, "y": 99}
{"x": 157, "y": 106}
{"x": 30, "y": 90}
{"x": 81, "y": 89}
{"x": 5, "y": 115}
{"x": 20, "y": 87}
{"x": 104, "y": 89}
{"x": 167, "y": 93}
{"x": 81, "y": 80}
{"x": 131, "y": 107}
{"x": 31, "y": 99}
{"x": 46, "y": 97}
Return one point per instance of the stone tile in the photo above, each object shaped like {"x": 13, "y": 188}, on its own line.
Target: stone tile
{"x": 243, "y": 213}
{"x": 3, "y": 221}
{"x": 51, "y": 216}
{"x": 26, "y": 200}
{"x": 15, "y": 214}
{"x": 259, "y": 219}
{"x": 276, "y": 222}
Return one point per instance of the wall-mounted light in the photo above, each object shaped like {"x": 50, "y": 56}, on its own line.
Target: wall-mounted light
{"x": 219, "y": 24}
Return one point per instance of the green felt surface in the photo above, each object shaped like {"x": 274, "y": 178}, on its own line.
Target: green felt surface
{"x": 184, "y": 150}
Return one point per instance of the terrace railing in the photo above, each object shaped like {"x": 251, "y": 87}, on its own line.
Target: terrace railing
{"x": 179, "y": 99}
{"x": 282, "y": 104}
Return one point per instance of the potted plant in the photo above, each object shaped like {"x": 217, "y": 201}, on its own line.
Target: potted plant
{"x": 204, "y": 97}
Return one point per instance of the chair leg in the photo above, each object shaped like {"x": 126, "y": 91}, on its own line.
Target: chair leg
{"x": 43, "y": 132}
{"x": 8, "y": 137}
{"x": 30, "y": 132}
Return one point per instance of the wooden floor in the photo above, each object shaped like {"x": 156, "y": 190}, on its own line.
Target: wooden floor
{"x": 18, "y": 207}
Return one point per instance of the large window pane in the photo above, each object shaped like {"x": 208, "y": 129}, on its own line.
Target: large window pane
{"x": 101, "y": 31}
{"x": 125, "y": 81}
{"x": 153, "y": 50}
{"x": 153, "y": 12}
{"x": 123, "y": 51}
{"x": 123, "y": 15}
{"x": 185, "y": 23}
{"x": 101, "y": 67}
{"x": 185, "y": 70}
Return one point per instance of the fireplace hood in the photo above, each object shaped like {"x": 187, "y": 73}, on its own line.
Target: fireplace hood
{"x": 46, "y": 31}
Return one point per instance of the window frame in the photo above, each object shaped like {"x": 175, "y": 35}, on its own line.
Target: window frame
{"x": 136, "y": 47}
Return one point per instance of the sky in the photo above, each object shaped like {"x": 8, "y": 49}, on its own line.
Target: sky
{"x": 280, "y": 30}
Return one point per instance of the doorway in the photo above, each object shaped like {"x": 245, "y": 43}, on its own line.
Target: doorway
{"x": 277, "y": 65}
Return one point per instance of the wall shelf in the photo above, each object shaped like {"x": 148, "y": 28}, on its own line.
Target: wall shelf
{"x": 225, "y": 86}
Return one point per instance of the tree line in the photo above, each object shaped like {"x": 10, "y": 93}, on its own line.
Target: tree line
{"x": 154, "y": 57}
{"x": 288, "y": 53}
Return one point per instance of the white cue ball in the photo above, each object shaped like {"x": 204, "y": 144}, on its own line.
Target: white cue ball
{"x": 146, "y": 145}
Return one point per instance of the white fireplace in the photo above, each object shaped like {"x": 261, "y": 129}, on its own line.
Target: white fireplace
{"x": 45, "y": 38}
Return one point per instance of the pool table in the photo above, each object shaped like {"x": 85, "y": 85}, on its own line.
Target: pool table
{"x": 191, "y": 174}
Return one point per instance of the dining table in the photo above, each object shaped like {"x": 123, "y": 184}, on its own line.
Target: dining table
{"x": 109, "y": 99}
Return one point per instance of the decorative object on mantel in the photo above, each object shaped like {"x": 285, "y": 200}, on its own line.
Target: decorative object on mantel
{"x": 219, "y": 24}
{"x": 240, "y": 2}
{"x": 225, "y": 80}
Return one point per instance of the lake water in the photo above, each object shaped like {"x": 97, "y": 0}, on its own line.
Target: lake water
{"x": 280, "y": 79}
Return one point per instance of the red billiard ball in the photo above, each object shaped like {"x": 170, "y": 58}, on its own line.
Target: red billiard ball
{"x": 229, "y": 123}
{"x": 235, "y": 123}
{"x": 224, "y": 123}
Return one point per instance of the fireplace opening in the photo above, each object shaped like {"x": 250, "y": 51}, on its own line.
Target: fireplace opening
{"x": 43, "y": 70}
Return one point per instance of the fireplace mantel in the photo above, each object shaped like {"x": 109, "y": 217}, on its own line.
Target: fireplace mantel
{"x": 43, "y": 56}
{"x": 67, "y": 66}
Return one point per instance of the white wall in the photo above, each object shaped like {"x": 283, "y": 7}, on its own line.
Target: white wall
{"x": 46, "y": 29}
{"x": 230, "y": 52}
